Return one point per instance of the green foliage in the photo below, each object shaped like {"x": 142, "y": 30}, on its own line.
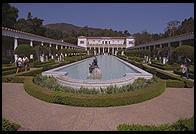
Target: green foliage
{"x": 24, "y": 49}
{"x": 12, "y": 79}
{"x": 5, "y": 60}
{"x": 31, "y": 25}
{"x": 184, "y": 51}
{"x": 92, "y": 100}
{"x": 72, "y": 40}
{"x": 51, "y": 83}
{"x": 9, "y": 15}
{"x": 186, "y": 26}
{"x": 160, "y": 74}
{"x": 180, "y": 125}
{"x": 175, "y": 83}
{"x": 31, "y": 72}
{"x": 139, "y": 53}
{"x": 9, "y": 126}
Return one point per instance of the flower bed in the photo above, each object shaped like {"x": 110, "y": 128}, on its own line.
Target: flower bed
{"x": 100, "y": 100}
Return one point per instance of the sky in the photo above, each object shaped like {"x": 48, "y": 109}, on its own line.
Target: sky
{"x": 134, "y": 17}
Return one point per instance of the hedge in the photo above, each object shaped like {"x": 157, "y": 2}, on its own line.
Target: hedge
{"x": 9, "y": 126}
{"x": 87, "y": 100}
{"x": 181, "y": 125}
{"x": 8, "y": 68}
{"x": 191, "y": 75}
{"x": 31, "y": 72}
{"x": 160, "y": 74}
{"x": 175, "y": 83}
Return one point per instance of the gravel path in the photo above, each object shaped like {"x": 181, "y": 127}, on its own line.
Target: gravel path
{"x": 37, "y": 115}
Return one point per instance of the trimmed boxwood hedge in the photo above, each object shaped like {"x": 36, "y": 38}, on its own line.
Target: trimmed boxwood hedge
{"x": 101, "y": 100}
{"x": 9, "y": 126}
{"x": 175, "y": 83}
{"x": 191, "y": 75}
{"x": 8, "y": 68}
{"x": 160, "y": 74}
{"x": 180, "y": 125}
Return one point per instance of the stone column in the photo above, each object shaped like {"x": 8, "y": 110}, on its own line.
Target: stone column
{"x": 43, "y": 53}
{"x": 15, "y": 46}
{"x": 108, "y": 50}
{"x": 31, "y": 44}
{"x": 99, "y": 50}
{"x": 113, "y": 51}
{"x": 94, "y": 51}
{"x": 180, "y": 43}
{"x": 103, "y": 50}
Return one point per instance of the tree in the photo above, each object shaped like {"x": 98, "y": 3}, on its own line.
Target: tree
{"x": 184, "y": 51}
{"x": 126, "y": 33}
{"x": 72, "y": 40}
{"x": 9, "y": 15}
{"x": 171, "y": 28}
{"x": 24, "y": 49}
{"x": 31, "y": 25}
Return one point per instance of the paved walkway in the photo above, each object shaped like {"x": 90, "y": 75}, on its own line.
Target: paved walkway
{"x": 34, "y": 114}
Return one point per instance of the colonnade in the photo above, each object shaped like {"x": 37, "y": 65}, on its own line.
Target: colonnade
{"x": 42, "y": 56}
{"x": 104, "y": 50}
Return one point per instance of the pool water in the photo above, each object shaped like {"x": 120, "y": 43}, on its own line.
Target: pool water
{"x": 110, "y": 66}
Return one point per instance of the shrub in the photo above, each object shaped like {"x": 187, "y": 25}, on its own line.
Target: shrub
{"x": 9, "y": 126}
{"x": 8, "y": 68}
{"x": 13, "y": 79}
{"x": 180, "y": 125}
{"x": 30, "y": 72}
{"x": 5, "y": 60}
{"x": 25, "y": 49}
{"x": 162, "y": 74}
{"x": 175, "y": 83}
{"x": 51, "y": 83}
{"x": 100, "y": 100}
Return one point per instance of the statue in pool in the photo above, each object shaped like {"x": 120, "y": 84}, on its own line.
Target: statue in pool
{"x": 94, "y": 70}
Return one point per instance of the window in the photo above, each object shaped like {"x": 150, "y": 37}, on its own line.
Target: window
{"x": 81, "y": 42}
{"x": 130, "y": 42}
{"x": 102, "y": 42}
{"x": 106, "y": 42}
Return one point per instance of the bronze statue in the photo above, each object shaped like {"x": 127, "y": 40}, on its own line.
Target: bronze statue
{"x": 93, "y": 65}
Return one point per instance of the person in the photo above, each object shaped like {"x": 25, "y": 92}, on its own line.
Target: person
{"x": 18, "y": 63}
{"x": 186, "y": 66}
{"x": 25, "y": 62}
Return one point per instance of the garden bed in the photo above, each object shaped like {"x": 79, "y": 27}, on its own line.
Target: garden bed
{"x": 100, "y": 100}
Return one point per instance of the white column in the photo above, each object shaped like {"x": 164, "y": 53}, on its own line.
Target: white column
{"x": 31, "y": 44}
{"x": 15, "y": 46}
{"x": 103, "y": 50}
{"x": 99, "y": 51}
{"x": 43, "y": 53}
{"x": 180, "y": 43}
{"x": 56, "y": 49}
{"x": 161, "y": 46}
{"x": 169, "y": 44}
{"x": 113, "y": 51}
{"x": 108, "y": 50}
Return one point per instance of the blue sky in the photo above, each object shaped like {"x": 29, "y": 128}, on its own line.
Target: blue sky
{"x": 134, "y": 17}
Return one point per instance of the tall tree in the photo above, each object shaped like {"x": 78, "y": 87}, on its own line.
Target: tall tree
{"x": 9, "y": 15}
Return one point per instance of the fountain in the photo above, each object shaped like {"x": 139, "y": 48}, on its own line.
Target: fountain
{"x": 94, "y": 70}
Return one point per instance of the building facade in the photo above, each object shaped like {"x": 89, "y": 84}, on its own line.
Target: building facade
{"x": 103, "y": 45}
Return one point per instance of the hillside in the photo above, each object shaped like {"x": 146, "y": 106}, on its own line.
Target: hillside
{"x": 74, "y": 31}
{"x": 63, "y": 27}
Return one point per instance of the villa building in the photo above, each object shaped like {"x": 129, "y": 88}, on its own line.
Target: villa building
{"x": 103, "y": 45}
